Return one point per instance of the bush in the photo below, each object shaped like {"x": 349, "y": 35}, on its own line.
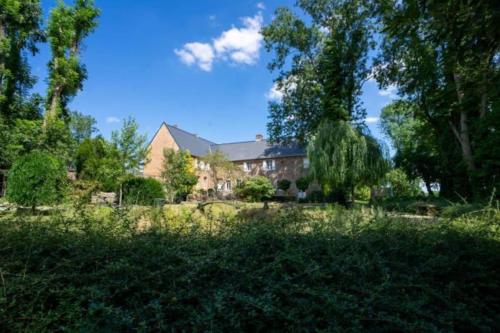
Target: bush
{"x": 362, "y": 193}
{"x": 401, "y": 185}
{"x": 340, "y": 271}
{"x": 302, "y": 183}
{"x": 142, "y": 191}
{"x": 37, "y": 179}
{"x": 256, "y": 189}
{"x": 284, "y": 184}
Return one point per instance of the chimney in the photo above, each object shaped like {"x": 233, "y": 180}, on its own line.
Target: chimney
{"x": 259, "y": 137}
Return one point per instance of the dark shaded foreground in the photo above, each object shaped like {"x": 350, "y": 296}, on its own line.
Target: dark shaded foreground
{"x": 254, "y": 276}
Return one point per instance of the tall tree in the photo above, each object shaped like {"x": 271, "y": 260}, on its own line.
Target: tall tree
{"x": 322, "y": 66}
{"x": 444, "y": 57}
{"x": 20, "y": 31}
{"x": 68, "y": 27}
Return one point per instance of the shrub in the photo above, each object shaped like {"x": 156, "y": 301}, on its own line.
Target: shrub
{"x": 37, "y": 179}
{"x": 256, "y": 189}
{"x": 316, "y": 197}
{"x": 142, "y": 191}
{"x": 401, "y": 185}
{"x": 302, "y": 183}
{"x": 362, "y": 193}
{"x": 284, "y": 184}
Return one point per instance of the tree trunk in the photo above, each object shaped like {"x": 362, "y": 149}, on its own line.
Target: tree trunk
{"x": 463, "y": 135}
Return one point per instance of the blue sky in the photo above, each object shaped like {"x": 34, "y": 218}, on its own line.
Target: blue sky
{"x": 199, "y": 64}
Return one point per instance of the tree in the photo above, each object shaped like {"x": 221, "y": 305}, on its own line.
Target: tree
{"x": 322, "y": 66}
{"x": 416, "y": 148}
{"x": 99, "y": 161}
{"x": 178, "y": 173}
{"x": 342, "y": 157}
{"x": 82, "y": 126}
{"x": 302, "y": 183}
{"x": 443, "y": 57}
{"x": 131, "y": 146}
{"x": 20, "y": 31}
{"x": 284, "y": 184}
{"x": 68, "y": 27}
{"x": 220, "y": 167}
{"x": 401, "y": 185}
{"x": 36, "y": 179}
{"x": 256, "y": 189}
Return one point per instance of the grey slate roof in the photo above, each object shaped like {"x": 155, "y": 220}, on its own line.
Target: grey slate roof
{"x": 236, "y": 151}
{"x": 254, "y": 150}
{"x": 187, "y": 141}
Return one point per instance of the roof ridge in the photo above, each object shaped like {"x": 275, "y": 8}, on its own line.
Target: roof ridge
{"x": 192, "y": 134}
{"x": 236, "y": 142}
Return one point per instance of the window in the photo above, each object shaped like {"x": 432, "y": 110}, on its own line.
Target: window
{"x": 229, "y": 186}
{"x": 201, "y": 165}
{"x": 269, "y": 165}
{"x": 247, "y": 166}
{"x": 306, "y": 163}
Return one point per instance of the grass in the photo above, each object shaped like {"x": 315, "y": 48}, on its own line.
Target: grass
{"x": 247, "y": 269}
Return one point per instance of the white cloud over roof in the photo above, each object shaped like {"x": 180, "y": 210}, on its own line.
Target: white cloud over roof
{"x": 236, "y": 45}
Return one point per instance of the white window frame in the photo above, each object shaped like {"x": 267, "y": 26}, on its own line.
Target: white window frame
{"x": 247, "y": 166}
{"x": 229, "y": 185}
{"x": 306, "y": 163}
{"x": 267, "y": 167}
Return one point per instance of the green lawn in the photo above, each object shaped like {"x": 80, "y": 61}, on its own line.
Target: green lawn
{"x": 288, "y": 268}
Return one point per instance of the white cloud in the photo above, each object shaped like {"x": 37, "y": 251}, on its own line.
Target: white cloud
{"x": 390, "y": 91}
{"x": 281, "y": 86}
{"x": 212, "y": 17}
{"x": 372, "y": 120}
{"x": 261, "y": 5}
{"x": 112, "y": 120}
{"x": 201, "y": 54}
{"x": 274, "y": 94}
{"x": 236, "y": 45}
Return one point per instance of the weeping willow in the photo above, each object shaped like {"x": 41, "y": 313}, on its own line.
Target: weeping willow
{"x": 341, "y": 157}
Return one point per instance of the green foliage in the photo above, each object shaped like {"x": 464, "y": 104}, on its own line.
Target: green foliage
{"x": 442, "y": 57}
{"x": 302, "y": 183}
{"x": 341, "y": 157}
{"x": 256, "y": 189}
{"x": 178, "y": 173}
{"x": 322, "y": 64}
{"x": 82, "y": 126}
{"x": 142, "y": 191}
{"x": 220, "y": 167}
{"x": 20, "y": 31}
{"x": 131, "y": 146}
{"x": 36, "y": 179}
{"x": 68, "y": 26}
{"x": 284, "y": 184}
{"x": 97, "y": 160}
{"x": 362, "y": 193}
{"x": 331, "y": 270}
{"x": 401, "y": 185}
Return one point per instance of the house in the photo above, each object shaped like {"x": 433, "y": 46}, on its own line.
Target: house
{"x": 257, "y": 157}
